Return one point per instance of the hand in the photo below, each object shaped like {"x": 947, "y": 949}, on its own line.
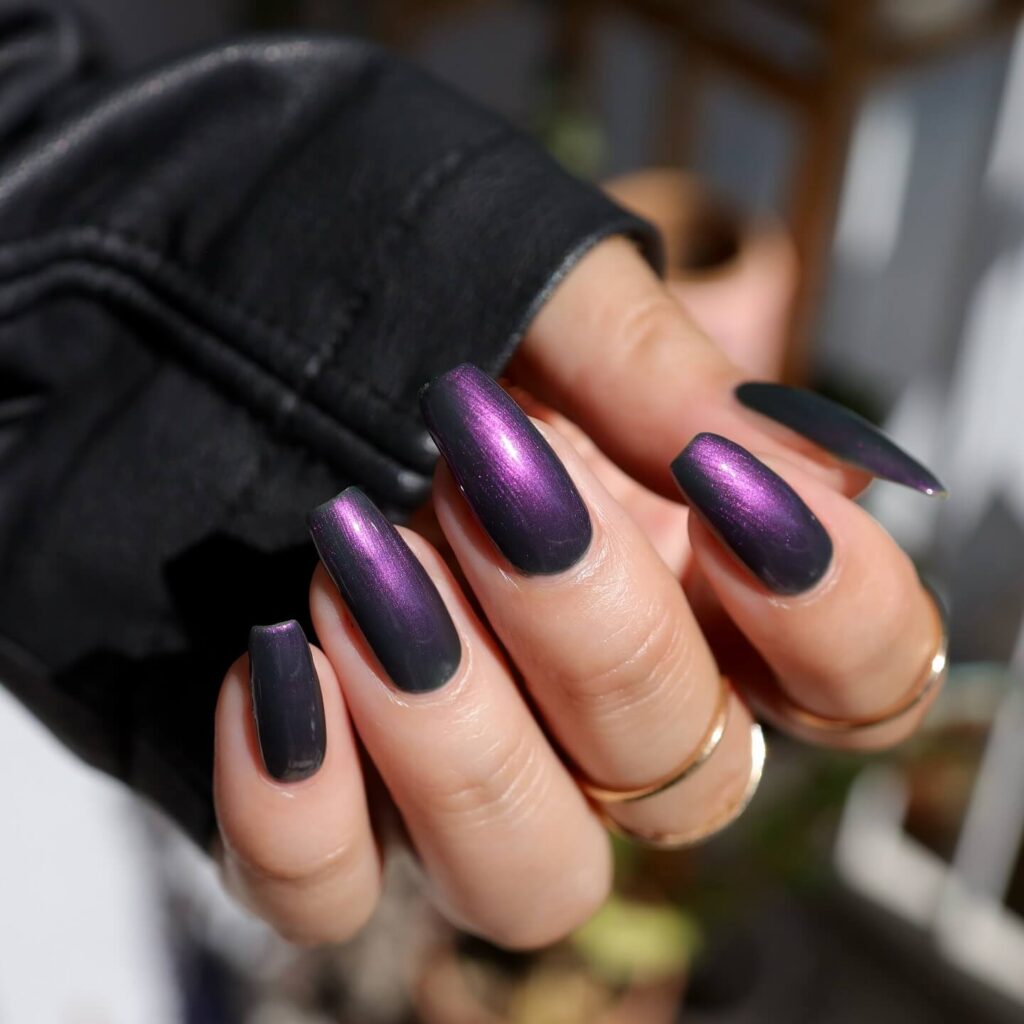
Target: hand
{"x": 566, "y": 656}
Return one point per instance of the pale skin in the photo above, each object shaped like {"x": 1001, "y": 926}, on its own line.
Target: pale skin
{"x": 621, "y": 654}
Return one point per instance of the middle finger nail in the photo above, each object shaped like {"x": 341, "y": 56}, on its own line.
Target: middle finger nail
{"x": 519, "y": 490}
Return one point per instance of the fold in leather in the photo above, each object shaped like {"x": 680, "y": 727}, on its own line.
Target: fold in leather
{"x": 222, "y": 284}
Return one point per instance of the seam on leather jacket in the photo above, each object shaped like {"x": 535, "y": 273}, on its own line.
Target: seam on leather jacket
{"x": 71, "y": 260}
{"x": 428, "y": 183}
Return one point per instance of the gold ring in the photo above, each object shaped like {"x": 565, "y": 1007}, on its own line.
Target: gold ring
{"x": 681, "y": 840}
{"x": 708, "y": 744}
{"x": 780, "y": 708}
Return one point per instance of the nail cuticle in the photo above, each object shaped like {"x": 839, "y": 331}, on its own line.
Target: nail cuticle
{"x": 818, "y": 591}
{"x": 449, "y": 693}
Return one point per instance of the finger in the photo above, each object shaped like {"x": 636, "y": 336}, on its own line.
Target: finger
{"x": 511, "y": 848}
{"x": 822, "y": 592}
{"x": 614, "y": 351}
{"x": 592, "y": 616}
{"x": 296, "y": 841}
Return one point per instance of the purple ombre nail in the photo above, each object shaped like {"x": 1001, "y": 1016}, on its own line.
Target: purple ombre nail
{"x": 840, "y": 431}
{"x": 392, "y": 599}
{"x": 513, "y": 481}
{"x": 754, "y": 512}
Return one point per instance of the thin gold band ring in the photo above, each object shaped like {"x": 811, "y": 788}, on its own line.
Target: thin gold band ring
{"x": 707, "y": 746}
{"x": 777, "y": 706}
{"x": 682, "y": 840}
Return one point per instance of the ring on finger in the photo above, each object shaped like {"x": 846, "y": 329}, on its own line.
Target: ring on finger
{"x": 663, "y": 840}
{"x": 800, "y": 721}
{"x": 707, "y": 746}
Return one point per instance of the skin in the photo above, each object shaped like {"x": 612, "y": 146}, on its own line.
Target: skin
{"x": 621, "y": 662}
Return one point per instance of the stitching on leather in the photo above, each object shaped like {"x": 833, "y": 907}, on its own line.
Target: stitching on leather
{"x": 89, "y": 243}
{"x": 179, "y": 278}
{"x": 67, "y": 245}
{"x": 113, "y": 290}
{"x": 432, "y": 179}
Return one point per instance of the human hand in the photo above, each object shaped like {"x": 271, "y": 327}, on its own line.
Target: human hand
{"x": 579, "y": 653}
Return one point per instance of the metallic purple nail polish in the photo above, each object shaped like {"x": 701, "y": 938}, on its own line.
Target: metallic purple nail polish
{"x": 754, "y": 512}
{"x": 286, "y": 702}
{"x": 391, "y": 597}
{"x": 513, "y": 481}
{"x": 840, "y": 431}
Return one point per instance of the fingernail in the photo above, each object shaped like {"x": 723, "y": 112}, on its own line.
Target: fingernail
{"x": 286, "y": 702}
{"x": 840, "y": 431}
{"x": 754, "y": 512}
{"x": 392, "y": 599}
{"x": 513, "y": 481}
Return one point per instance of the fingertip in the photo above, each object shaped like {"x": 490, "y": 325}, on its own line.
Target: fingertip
{"x": 849, "y": 645}
{"x": 297, "y": 850}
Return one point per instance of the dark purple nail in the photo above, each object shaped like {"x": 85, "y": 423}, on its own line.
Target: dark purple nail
{"x": 511, "y": 478}
{"x": 391, "y": 597}
{"x": 286, "y": 702}
{"x": 840, "y": 431}
{"x": 754, "y": 512}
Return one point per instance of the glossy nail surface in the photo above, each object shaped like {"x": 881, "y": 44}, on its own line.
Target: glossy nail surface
{"x": 391, "y": 597}
{"x": 840, "y": 431}
{"x": 286, "y": 701}
{"x": 514, "y": 482}
{"x": 754, "y": 512}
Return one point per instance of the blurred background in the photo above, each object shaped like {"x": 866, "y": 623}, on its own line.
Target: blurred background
{"x": 841, "y": 188}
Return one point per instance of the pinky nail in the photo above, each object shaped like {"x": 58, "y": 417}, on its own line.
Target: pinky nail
{"x": 286, "y": 701}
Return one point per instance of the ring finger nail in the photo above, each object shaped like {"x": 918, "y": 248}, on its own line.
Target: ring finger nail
{"x": 514, "y": 482}
{"x": 286, "y": 701}
{"x": 840, "y": 431}
{"x": 754, "y": 512}
{"x": 391, "y": 597}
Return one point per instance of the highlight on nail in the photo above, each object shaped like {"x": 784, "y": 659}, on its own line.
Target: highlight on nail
{"x": 754, "y": 513}
{"x": 515, "y": 484}
{"x": 287, "y": 702}
{"x": 839, "y": 431}
{"x": 390, "y": 595}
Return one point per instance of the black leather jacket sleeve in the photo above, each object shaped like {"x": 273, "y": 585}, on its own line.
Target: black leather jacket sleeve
{"x": 222, "y": 284}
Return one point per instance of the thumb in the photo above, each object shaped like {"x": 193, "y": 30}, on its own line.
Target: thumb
{"x": 614, "y": 351}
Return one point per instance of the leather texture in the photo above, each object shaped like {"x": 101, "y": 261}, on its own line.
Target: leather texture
{"x": 222, "y": 284}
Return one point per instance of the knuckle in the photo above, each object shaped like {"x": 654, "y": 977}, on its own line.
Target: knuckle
{"x": 647, "y": 324}
{"x": 503, "y": 781}
{"x": 281, "y": 865}
{"x": 309, "y": 902}
{"x": 634, "y": 333}
{"x": 633, "y": 664}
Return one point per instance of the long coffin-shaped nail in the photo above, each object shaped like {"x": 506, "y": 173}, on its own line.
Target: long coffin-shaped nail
{"x": 286, "y": 702}
{"x": 391, "y": 597}
{"x": 840, "y": 431}
{"x": 754, "y": 512}
{"x": 514, "y": 482}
